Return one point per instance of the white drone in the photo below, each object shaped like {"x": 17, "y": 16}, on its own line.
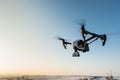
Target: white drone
{"x": 83, "y": 44}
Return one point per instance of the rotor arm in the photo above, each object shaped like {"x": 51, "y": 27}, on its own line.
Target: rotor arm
{"x": 68, "y": 43}
{"x": 87, "y": 32}
{"x": 90, "y": 38}
{"x": 93, "y": 40}
{"x": 65, "y": 44}
{"x": 102, "y": 37}
{"x": 84, "y": 33}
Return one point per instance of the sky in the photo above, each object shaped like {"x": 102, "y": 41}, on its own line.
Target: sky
{"x": 28, "y": 29}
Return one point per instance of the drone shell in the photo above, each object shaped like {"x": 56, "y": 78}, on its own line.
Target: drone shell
{"x": 76, "y": 44}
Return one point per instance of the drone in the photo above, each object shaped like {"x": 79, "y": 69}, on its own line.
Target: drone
{"x": 83, "y": 44}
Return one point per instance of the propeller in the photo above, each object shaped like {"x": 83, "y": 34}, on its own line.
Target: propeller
{"x": 64, "y": 41}
{"x": 60, "y": 38}
{"x": 81, "y": 23}
{"x": 113, "y": 33}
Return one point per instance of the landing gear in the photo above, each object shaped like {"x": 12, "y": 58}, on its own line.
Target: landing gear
{"x": 76, "y": 54}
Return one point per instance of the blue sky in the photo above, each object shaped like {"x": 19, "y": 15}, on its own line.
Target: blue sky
{"x": 28, "y": 29}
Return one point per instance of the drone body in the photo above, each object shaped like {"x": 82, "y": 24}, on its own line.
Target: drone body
{"x": 83, "y": 44}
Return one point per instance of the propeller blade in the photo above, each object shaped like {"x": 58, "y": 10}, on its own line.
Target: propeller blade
{"x": 60, "y": 38}
{"x": 113, "y": 34}
{"x": 80, "y": 22}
